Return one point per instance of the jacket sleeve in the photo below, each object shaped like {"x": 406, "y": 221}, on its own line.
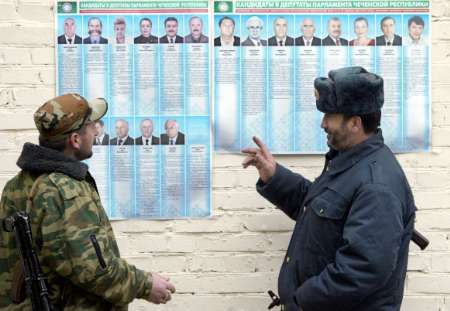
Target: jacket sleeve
{"x": 79, "y": 245}
{"x": 286, "y": 190}
{"x": 372, "y": 237}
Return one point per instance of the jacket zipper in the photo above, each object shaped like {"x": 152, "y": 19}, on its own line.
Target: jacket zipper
{"x": 98, "y": 252}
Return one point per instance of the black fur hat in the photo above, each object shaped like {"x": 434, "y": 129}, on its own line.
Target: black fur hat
{"x": 350, "y": 90}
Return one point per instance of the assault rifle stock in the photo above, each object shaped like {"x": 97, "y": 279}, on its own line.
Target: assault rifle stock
{"x": 35, "y": 284}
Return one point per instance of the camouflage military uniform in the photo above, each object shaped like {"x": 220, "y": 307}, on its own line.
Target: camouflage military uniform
{"x": 72, "y": 233}
{"x": 67, "y": 215}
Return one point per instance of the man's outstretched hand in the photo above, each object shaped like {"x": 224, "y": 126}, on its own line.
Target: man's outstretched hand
{"x": 162, "y": 289}
{"x": 261, "y": 158}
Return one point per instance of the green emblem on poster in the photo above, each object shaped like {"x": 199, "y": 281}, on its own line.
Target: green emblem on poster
{"x": 67, "y": 7}
{"x": 223, "y": 6}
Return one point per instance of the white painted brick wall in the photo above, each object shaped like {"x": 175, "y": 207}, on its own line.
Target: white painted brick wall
{"x": 229, "y": 261}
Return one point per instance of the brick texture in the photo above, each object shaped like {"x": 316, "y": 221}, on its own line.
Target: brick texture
{"x": 229, "y": 261}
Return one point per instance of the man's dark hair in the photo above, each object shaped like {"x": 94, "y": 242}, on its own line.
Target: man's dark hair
{"x": 416, "y": 20}
{"x": 386, "y": 18}
{"x": 173, "y": 19}
{"x": 370, "y": 121}
{"x": 145, "y": 19}
{"x": 60, "y": 144}
{"x": 100, "y": 122}
{"x": 226, "y": 18}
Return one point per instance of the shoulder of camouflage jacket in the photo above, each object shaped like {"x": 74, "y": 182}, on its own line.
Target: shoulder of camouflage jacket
{"x": 14, "y": 198}
{"x": 74, "y": 198}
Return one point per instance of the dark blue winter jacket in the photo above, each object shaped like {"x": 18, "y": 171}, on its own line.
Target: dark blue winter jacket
{"x": 349, "y": 248}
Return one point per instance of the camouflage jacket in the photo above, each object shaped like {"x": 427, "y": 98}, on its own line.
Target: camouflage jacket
{"x": 67, "y": 221}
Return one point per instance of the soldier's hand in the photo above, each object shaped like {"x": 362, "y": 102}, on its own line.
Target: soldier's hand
{"x": 261, "y": 158}
{"x": 162, "y": 289}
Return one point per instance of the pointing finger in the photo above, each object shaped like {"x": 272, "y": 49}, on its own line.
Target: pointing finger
{"x": 265, "y": 151}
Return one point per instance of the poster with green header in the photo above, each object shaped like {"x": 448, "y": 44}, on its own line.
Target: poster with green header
{"x": 268, "y": 53}
{"x": 151, "y": 61}
{"x": 173, "y": 71}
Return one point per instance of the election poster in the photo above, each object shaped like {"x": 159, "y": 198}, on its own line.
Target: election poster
{"x": 151, "y": 61}
{"x": 186, "y": 78}
{"x": 268, "y": 53}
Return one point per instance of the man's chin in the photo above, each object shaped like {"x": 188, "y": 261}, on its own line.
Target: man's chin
{"x": 330, "y": 142}
{"x": 84, "y": 156}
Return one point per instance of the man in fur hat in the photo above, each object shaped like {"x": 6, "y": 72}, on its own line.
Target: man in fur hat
{"x": 349, "y": 248}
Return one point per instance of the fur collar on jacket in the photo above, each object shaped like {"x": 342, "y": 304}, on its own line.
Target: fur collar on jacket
{"x": 38, "y": 159}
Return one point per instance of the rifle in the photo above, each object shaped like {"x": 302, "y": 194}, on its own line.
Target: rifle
{"x": 275, "y": 299}
{"x": 419, "y": 239}
{"x": 36, "y": 287}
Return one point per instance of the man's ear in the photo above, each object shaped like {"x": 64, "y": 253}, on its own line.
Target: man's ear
{"x": 75, "y": 141}
{"x": 355, "y": 124}
{"x": 358, "y": 126}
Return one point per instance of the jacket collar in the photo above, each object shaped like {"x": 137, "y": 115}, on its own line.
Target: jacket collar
{"x": 39, "y": 160}
{"x": 339, "y": 161}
